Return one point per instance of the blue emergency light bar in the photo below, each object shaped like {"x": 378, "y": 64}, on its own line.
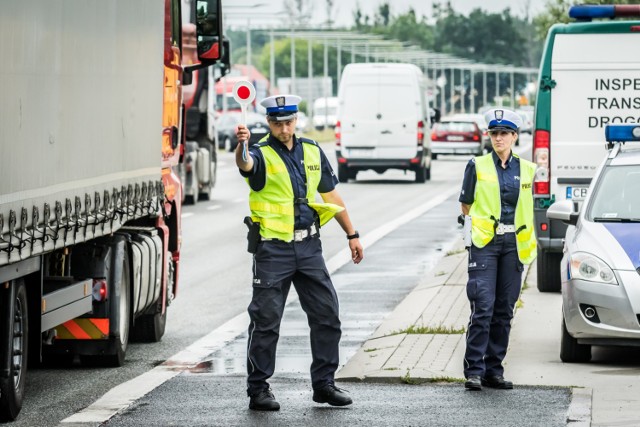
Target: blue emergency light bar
{"x": 589, "y": 12}
{"x": 622, "y": 133}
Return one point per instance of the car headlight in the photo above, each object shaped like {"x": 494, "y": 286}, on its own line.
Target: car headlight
{"x": 585, "y": 266}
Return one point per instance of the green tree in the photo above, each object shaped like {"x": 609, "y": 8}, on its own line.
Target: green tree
{"x": 557, "y": 11}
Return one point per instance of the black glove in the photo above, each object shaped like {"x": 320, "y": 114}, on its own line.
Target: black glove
{"x": 461, "y": 219}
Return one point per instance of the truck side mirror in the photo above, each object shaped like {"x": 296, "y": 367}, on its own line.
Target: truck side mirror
{"x": 225, "y": 60}
{"x": 208, "y": 21}
{"x": 563, "y": 211}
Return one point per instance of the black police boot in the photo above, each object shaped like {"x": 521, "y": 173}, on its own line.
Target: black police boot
{"x": 473, "y": 383}
{"x": 264, "y": 401}
{"x": 332, "y": 395}
{"x": 497, "y": 381}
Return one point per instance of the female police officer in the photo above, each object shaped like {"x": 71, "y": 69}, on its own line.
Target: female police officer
{"x": 284, "y": 173}
{"x": 497, "y": 195}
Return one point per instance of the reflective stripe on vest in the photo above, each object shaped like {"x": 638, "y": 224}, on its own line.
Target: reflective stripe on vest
{"x": 485, "y": 210}
{"x": 273, "y": 206}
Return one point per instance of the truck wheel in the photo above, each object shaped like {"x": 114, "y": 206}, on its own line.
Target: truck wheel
{"x": 151, "y": 327}
{"x": 343, "y": 173}
{"x": 207, "y": 193}
{"x": 12, "y": 388}
{"x": 548, "y": 271}
{"x": 570, "y": 350}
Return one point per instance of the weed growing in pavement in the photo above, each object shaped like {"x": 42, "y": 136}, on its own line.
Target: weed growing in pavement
{"x": 440, "y": 273}
{"x": 424, "y": 330}
{"x": 369, "y": 350}
{"x": 406, "y": 378}
{"x": 520, "y": 303}
{"x": 459, "y": 251}
{"x": 391, "y": 369}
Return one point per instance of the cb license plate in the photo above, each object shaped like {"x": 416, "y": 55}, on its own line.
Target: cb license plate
{"x": 577, "y": 193}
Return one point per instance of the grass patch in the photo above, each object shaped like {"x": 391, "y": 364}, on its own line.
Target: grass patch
{"x": 327, "y": 135}
{"x": 424, "y": 330}
{"x": 519, "y": 303}
{"x": 369, "y": 350}
{"x": 446, "y": 380}
{"x": 391, "y": 369}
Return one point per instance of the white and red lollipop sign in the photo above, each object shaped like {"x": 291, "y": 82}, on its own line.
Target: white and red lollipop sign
{"x": 244, "y": 93}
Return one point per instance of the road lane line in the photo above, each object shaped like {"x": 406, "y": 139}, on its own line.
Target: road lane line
{"x": 186, "y": 214}
{"x": 122, "y": 396}
{"x": 214, "y": 207}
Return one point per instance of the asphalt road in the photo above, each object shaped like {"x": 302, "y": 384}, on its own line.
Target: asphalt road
{"x": 215, "y": 277}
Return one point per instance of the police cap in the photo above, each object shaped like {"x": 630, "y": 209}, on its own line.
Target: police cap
{"x": 502, "y": 119}
{"x": 281, "y": 107}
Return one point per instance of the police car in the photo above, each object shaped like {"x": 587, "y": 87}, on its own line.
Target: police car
{"x": 600, "y": 269}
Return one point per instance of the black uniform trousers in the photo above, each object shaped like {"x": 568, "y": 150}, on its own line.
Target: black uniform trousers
{"x": 276, "y": 265}
{"x": 495, "y": 275}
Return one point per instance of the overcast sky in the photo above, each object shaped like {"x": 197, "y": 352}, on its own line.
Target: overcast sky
{"x": 343, "y": 9}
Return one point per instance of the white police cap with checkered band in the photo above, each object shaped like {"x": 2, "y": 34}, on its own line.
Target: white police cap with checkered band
{"x": 502, "y": 119}
{"x": 281, "y": 107}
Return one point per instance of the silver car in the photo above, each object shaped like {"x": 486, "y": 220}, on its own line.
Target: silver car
{"x": 600, "y": 269}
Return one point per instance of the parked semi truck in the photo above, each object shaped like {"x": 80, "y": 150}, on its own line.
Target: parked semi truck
{"x": 199, "y": 169}
{"x": 91, "y": 119}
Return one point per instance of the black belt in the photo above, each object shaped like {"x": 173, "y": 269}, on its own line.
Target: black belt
{"x": 300, "y": 235}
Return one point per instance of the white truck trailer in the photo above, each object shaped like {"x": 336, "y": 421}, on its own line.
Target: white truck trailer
{"x": 90, "y": 129}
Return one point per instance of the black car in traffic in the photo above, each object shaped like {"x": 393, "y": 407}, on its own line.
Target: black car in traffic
{"x": 227, "y": 123}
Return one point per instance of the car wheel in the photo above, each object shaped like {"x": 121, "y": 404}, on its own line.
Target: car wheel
{"x": 421, "y": 175}
{"x": 343, "y": 173}
{"x": 570, "y": 350}
{"x": 548, "y": 271}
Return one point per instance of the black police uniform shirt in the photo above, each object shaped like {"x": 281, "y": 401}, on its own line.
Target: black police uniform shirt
{"x": 509, "y": 180}
{"x": 294, "y": 161}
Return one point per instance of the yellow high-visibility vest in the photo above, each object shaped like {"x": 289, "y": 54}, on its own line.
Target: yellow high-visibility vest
{"x": 273, "y": 206}
{"x": 485, "y": 210}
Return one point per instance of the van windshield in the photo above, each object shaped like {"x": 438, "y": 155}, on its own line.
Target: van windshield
{"x": 392, "y": 101}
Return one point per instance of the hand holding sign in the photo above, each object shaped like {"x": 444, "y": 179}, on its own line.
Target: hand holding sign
{"x": 244, "y": 93}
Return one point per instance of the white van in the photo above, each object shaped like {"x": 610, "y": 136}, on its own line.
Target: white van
{"x": 588, "y": 79}
{"x": 383, "y": 117}
{"x": 325, "y": 111}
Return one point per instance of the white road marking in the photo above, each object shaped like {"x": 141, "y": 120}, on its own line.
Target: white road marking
{"x": 125, "y": 394}
{"x": 214, "y": 207}
{"x": 186, "y": 214}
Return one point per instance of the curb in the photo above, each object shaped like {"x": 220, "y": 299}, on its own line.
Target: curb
{"x": 579, "y": 413}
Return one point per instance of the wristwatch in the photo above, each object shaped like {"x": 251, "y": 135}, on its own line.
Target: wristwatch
{"x": 355, "y": 235}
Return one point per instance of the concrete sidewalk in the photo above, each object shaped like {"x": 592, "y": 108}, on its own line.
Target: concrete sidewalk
{"x": 438, "y": 310}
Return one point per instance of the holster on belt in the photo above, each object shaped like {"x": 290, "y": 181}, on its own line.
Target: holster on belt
{"x": 253, "y": 235}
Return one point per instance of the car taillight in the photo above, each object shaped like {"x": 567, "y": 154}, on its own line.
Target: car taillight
{"x": 434, "y": 136}
{"x": 337, "y": 130}
{"x": 476, "y": 137}
{"x": 420, "y": 133}
{"x": 541, "y": 181}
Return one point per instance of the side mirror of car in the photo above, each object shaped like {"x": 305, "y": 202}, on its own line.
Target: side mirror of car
{"x": 563, "y": 211}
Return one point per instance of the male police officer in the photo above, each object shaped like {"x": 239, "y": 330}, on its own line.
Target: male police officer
{"x": 284, "y": 173}
{"x": 496, "y": 193}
